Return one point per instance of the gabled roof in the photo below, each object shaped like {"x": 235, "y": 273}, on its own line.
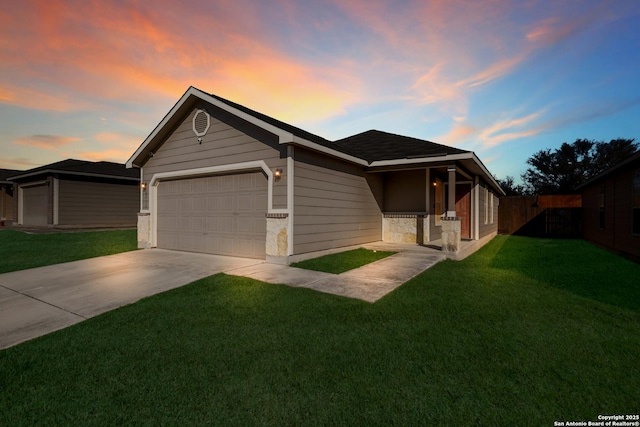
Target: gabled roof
{"x": 368, "y": 149}
{"x": 6, "y": 173}
{"x": 375, "y": 145}
{"x": 633, "y": 158}
{"x": 82, "y": 167}
{"x": 285, "y": 133}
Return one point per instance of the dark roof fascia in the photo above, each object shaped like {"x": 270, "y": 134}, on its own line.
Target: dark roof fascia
{"x": 64, "y": 172}
{"x": 612, "y": 169}
{"x": 288, "y": 134}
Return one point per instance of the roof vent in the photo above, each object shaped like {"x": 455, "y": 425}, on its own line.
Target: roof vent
{"x": 201, "y": 122}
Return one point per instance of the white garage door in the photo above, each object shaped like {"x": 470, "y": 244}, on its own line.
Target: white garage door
{"x": 222, "y": 215}
{"x": 34, "y": 205}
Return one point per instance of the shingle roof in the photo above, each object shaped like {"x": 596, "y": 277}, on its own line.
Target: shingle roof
{"x": 372, "y": 145}
{"x": 633, "y": 158}
{"x": 6, "y": 173}
{"x": 277, "y": 123}
{"x": 375, "y": 145}
{"x": 84, "y": 167}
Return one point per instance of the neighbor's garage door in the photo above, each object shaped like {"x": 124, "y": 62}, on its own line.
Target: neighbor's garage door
{"x": 217, "y": 214}
{"x": 34, "y": 205}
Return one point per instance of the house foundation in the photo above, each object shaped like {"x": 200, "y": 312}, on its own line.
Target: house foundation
{"x": 451, "y": 239}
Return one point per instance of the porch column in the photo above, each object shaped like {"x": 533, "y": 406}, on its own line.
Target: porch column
{"x": 451, "y": 212}
{"x": 451, "y": 225}
{"x": 426, "y": 234}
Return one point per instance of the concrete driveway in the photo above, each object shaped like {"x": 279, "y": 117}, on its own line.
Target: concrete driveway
{"x": 41, "y": 300}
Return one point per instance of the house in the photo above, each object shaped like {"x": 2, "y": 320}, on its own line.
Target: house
{"x": 220, "y": 178}
{"x": 611, "y": 208}
{"x": 77, "y": 193}
{"x": 6, "y": 194}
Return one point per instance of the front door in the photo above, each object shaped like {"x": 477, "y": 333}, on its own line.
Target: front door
{"x": 463, "y": 209}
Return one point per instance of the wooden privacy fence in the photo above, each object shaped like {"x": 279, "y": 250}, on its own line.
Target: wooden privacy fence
{"x": 558, "y": 216}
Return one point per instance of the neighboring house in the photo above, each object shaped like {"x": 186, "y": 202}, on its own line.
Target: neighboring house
{"x": 6, "y": 194}
{"x": 220, "y": 178}
{"x": 77, "y": 193}
{"x": 611, "y": 208}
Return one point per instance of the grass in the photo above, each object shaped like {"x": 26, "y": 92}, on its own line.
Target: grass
{"x": 19, "y": 251}
{"x": 343, "y": 261}
{"x": 511, "y": 335}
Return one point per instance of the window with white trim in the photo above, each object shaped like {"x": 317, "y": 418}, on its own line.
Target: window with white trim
{"x": 491, "y": 207}
{"x": 486, "y": 205}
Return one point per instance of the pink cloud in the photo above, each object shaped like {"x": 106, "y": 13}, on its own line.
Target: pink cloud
{"x": 48, "y": 142}
{"x": 141, "y": 54}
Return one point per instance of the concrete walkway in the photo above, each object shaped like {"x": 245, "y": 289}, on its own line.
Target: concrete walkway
{"x": 41, "y": 300}
{"x": 368, "y": 283}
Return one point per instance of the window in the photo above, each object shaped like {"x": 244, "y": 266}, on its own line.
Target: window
{"x": 486, "y": 205}
{"x": 635, "y": 203}
{"x": 601, "y": 208}
{"x": 491, "y": 207}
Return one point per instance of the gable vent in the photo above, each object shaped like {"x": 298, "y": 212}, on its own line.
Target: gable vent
{"x": 201, "y": 122}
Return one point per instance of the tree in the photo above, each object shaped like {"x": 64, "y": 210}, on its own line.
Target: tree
{"x": 562, "y": 170}
{"x": 509, "y": 186}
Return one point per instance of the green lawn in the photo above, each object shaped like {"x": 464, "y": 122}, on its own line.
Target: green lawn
{"x": 517, "y": 334}
{"x": 343, "y": 261}
{"x": 19, "y": 250}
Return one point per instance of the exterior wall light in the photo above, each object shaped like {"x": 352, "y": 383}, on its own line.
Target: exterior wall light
{"x": 143, "y": 185}
{"x": 277, "y": 174}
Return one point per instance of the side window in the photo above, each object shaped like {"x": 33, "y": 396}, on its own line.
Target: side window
{"x": 486, "y": 205}
{"x": 491, "y": 207}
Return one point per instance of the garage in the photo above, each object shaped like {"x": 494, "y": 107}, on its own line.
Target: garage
{"x": 34, "y": 205}
{"x": 221, "y": 214}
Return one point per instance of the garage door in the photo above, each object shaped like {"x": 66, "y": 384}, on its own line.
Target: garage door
{"x": 222, "y": 215}
{"x": 34, "y": 205}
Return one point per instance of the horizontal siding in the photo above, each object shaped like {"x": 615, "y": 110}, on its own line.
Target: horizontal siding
{"x": 335, "y": 204}
{"x": 6, "y": 203}
{"x": 222, "y": 145}
{"x": 405, "y": 191}
{"x": 85, "y": 203}
{"x": 617, "y": 234}
{"x": 486, "y": 229}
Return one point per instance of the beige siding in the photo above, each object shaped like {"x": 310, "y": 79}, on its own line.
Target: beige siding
{"x": 491, "y": 225}
{"x": 335, "y": 204}
{"x": 97, "y": 203}
{"x": 6, "y": 203}
{"x": 222, "y": 145}
{"x": 404, "y": 191}
{"x": 34, "y": 205}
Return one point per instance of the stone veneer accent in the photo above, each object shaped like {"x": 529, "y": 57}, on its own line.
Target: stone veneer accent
{"x": 451, "y": 234}
{"x": 403, "y": 228}
{"x": 277, "y": 239}
{"x": 144, "y": 230}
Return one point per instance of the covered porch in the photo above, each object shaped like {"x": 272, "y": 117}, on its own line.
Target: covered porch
{"x": 446, "y": 206}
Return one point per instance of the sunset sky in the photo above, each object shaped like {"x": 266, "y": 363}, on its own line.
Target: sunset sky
{"x": 504, "y": 78}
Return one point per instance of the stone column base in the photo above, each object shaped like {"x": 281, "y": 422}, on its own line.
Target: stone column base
{"x": 451, "y": 234}
{"x": 277, "y": 237}
{"x": 404, "y": 228}
{"x": 144, "y": 230}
